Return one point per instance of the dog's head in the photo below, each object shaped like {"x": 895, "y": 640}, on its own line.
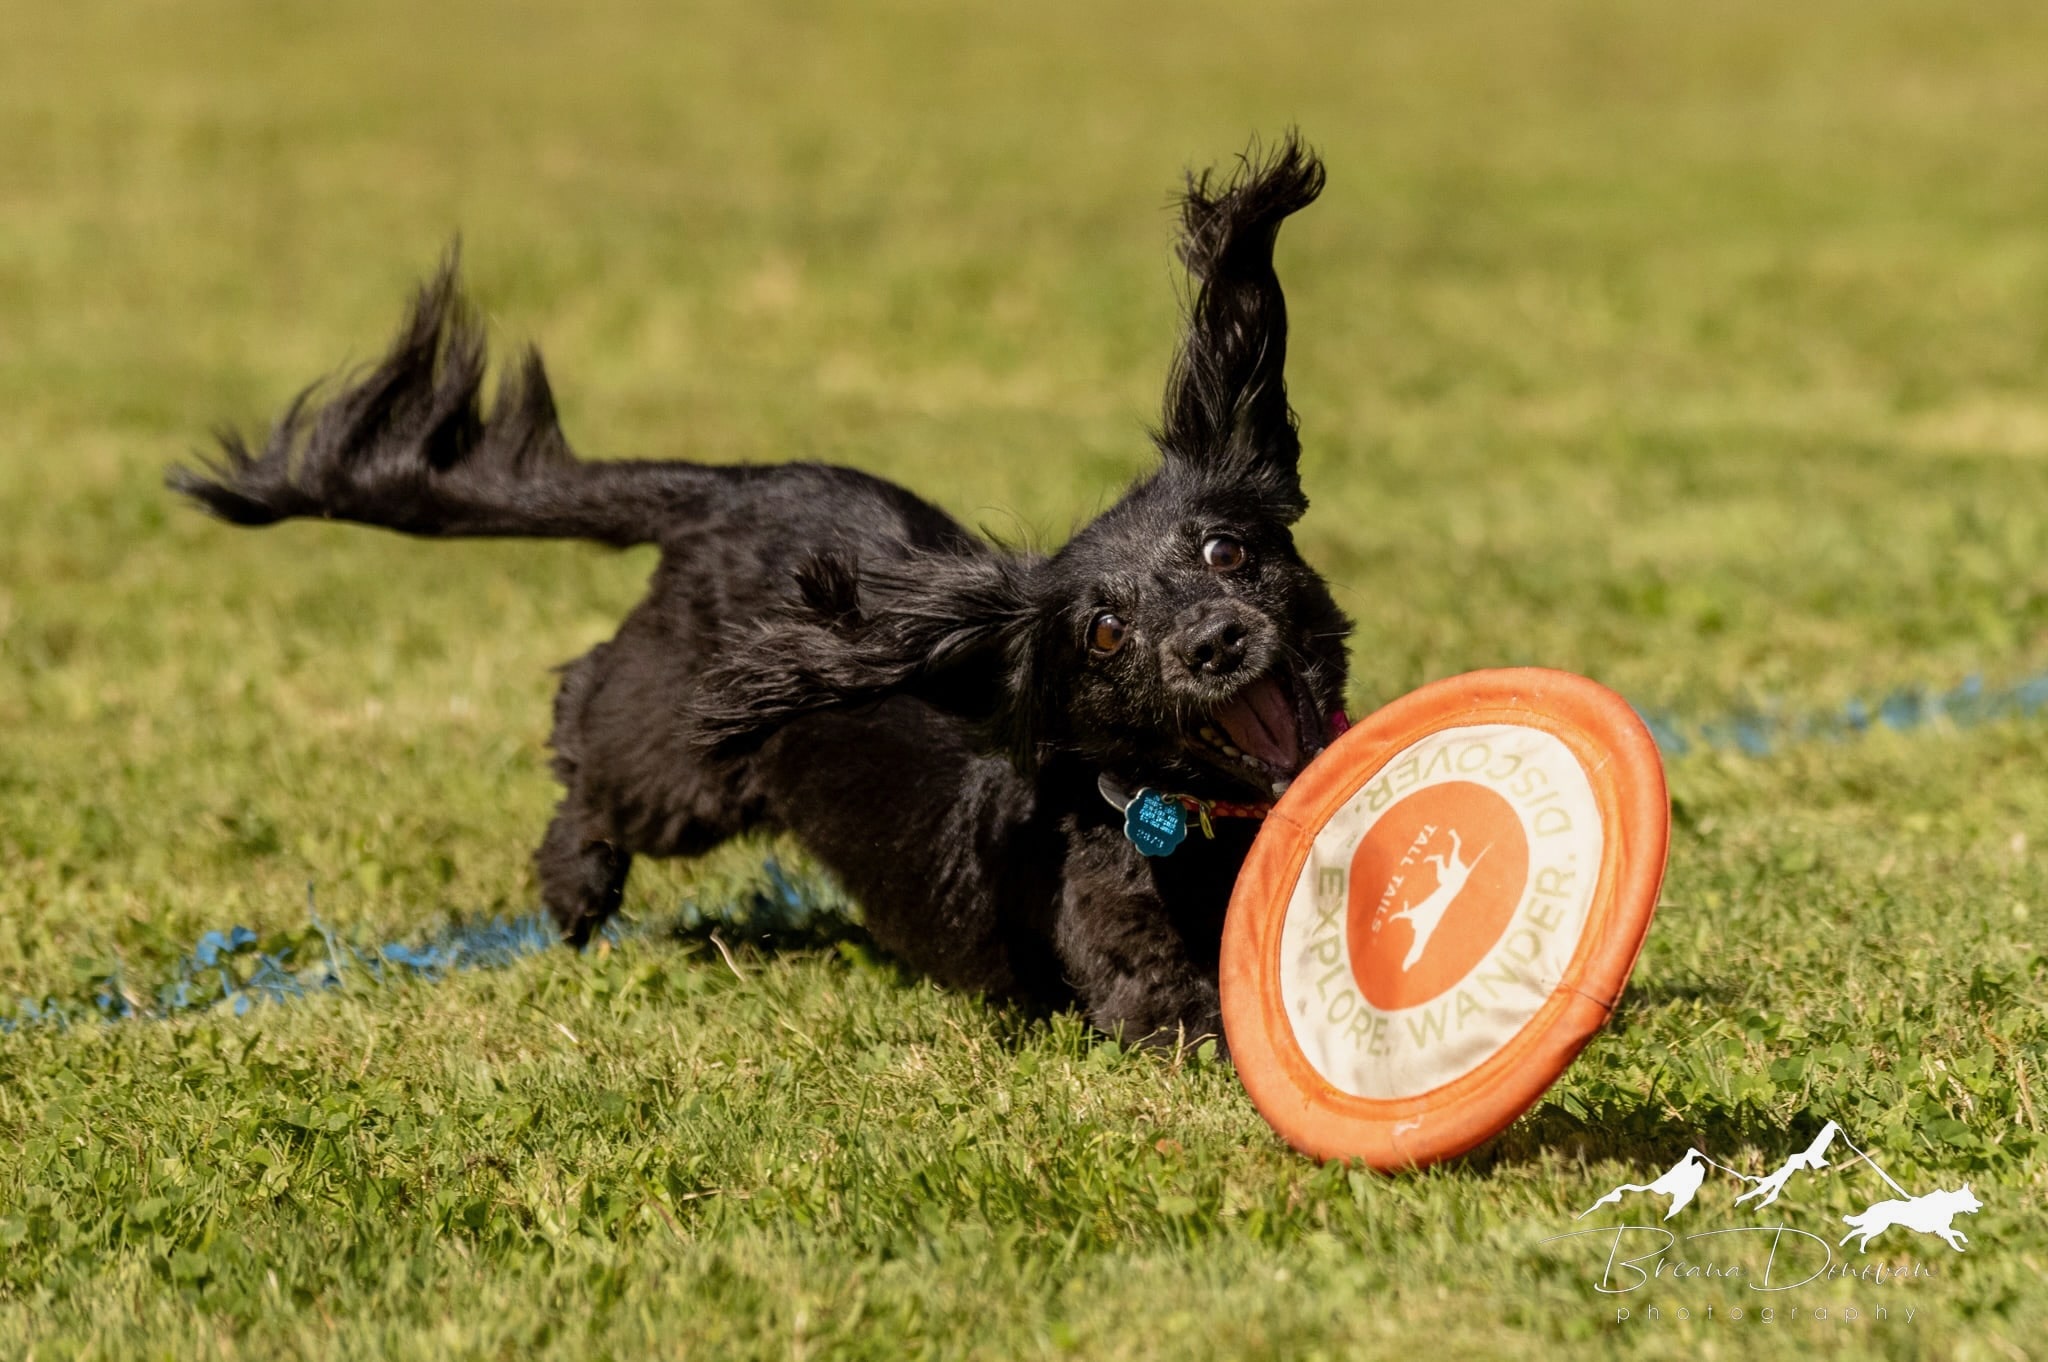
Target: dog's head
{"x": 1178, "y": 640}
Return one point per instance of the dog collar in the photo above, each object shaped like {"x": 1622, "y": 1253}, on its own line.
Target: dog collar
{"x": 1156, "y": 821}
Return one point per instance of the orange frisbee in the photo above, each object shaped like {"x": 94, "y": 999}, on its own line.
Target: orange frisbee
{"x": 1441, "y": 911}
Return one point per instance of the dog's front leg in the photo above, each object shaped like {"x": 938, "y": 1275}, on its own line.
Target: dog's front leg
{"x": 1123, "y": 953}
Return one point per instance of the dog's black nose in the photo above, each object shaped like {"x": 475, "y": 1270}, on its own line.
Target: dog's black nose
{"x": 1213, "y": 643}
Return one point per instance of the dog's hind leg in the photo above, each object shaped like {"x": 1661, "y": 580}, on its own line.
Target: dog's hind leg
{"x": 634, "y": 783}
{"x": 583, "y": 860}
{"x": 582, "y": 878}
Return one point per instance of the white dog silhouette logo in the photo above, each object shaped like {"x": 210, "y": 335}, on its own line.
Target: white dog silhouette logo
{"x": 1932, "y": 1213}
{"x": 1425, "y": 917}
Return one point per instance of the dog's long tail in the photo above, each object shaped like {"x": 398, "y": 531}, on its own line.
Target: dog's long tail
{"x": 408, "y": 447}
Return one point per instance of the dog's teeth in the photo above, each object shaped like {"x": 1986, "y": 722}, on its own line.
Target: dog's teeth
{"x": 1230, "y": 751}
{"x": 1280, "y": 785}
{"x": 1211, "y": 734}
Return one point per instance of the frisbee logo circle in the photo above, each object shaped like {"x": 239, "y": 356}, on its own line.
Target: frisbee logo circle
{"x": 1392, "y": 990}
{"x": 1434, "y": 885}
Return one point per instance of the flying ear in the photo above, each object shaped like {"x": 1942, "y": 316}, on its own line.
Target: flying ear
{"x": 957, "y": 632}
{"x": 1226, "y": 398}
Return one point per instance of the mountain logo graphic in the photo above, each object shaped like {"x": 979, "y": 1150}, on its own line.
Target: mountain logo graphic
{"x": 1932, "y": 1213}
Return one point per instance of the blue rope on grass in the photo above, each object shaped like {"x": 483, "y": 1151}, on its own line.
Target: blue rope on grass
{"x": 1761, "y": 732}
{"x": 228, "y": 970}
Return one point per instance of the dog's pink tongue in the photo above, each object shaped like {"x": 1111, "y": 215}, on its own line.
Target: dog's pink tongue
{"x": 1260, "y": 722}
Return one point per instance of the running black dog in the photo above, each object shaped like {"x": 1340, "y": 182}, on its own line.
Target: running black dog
{"x": 948, "y": 725}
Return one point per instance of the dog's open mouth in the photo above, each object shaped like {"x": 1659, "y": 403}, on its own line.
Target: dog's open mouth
{"x": 1258, "y": 730}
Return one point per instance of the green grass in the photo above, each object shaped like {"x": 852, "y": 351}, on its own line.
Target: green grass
{"x": 1703, "y": 350}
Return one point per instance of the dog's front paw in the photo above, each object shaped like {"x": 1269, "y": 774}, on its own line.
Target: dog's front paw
{"x": 1162, "y": 1021}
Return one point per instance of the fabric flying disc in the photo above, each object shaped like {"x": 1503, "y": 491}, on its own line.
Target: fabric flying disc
{"x": 1441, "y": 911}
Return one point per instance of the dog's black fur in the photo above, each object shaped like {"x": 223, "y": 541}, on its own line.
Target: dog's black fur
{"x": 825, "y": 654}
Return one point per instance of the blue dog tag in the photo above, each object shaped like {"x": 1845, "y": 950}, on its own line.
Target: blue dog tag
{"x": 1154, "y": 823}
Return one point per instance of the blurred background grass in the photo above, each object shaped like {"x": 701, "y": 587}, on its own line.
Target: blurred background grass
{"x": 1703, "y": 350}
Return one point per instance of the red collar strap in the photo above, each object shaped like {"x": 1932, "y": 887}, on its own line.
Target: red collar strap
{"x": 1205, "y": 809}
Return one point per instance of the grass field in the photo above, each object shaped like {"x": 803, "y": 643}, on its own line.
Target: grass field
{"x": 1700, "y": 349}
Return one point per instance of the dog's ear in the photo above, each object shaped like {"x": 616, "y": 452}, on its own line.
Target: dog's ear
{"x": 959, "y": 632}
{"x": 1226, "y": 414}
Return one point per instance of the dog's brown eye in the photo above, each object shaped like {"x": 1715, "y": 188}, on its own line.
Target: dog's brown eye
{"x": 1223, "y": 553}
{"x": 1108, "y": 634}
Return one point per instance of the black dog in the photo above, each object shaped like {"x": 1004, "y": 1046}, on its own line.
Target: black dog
{"x": 943, "y": 723}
